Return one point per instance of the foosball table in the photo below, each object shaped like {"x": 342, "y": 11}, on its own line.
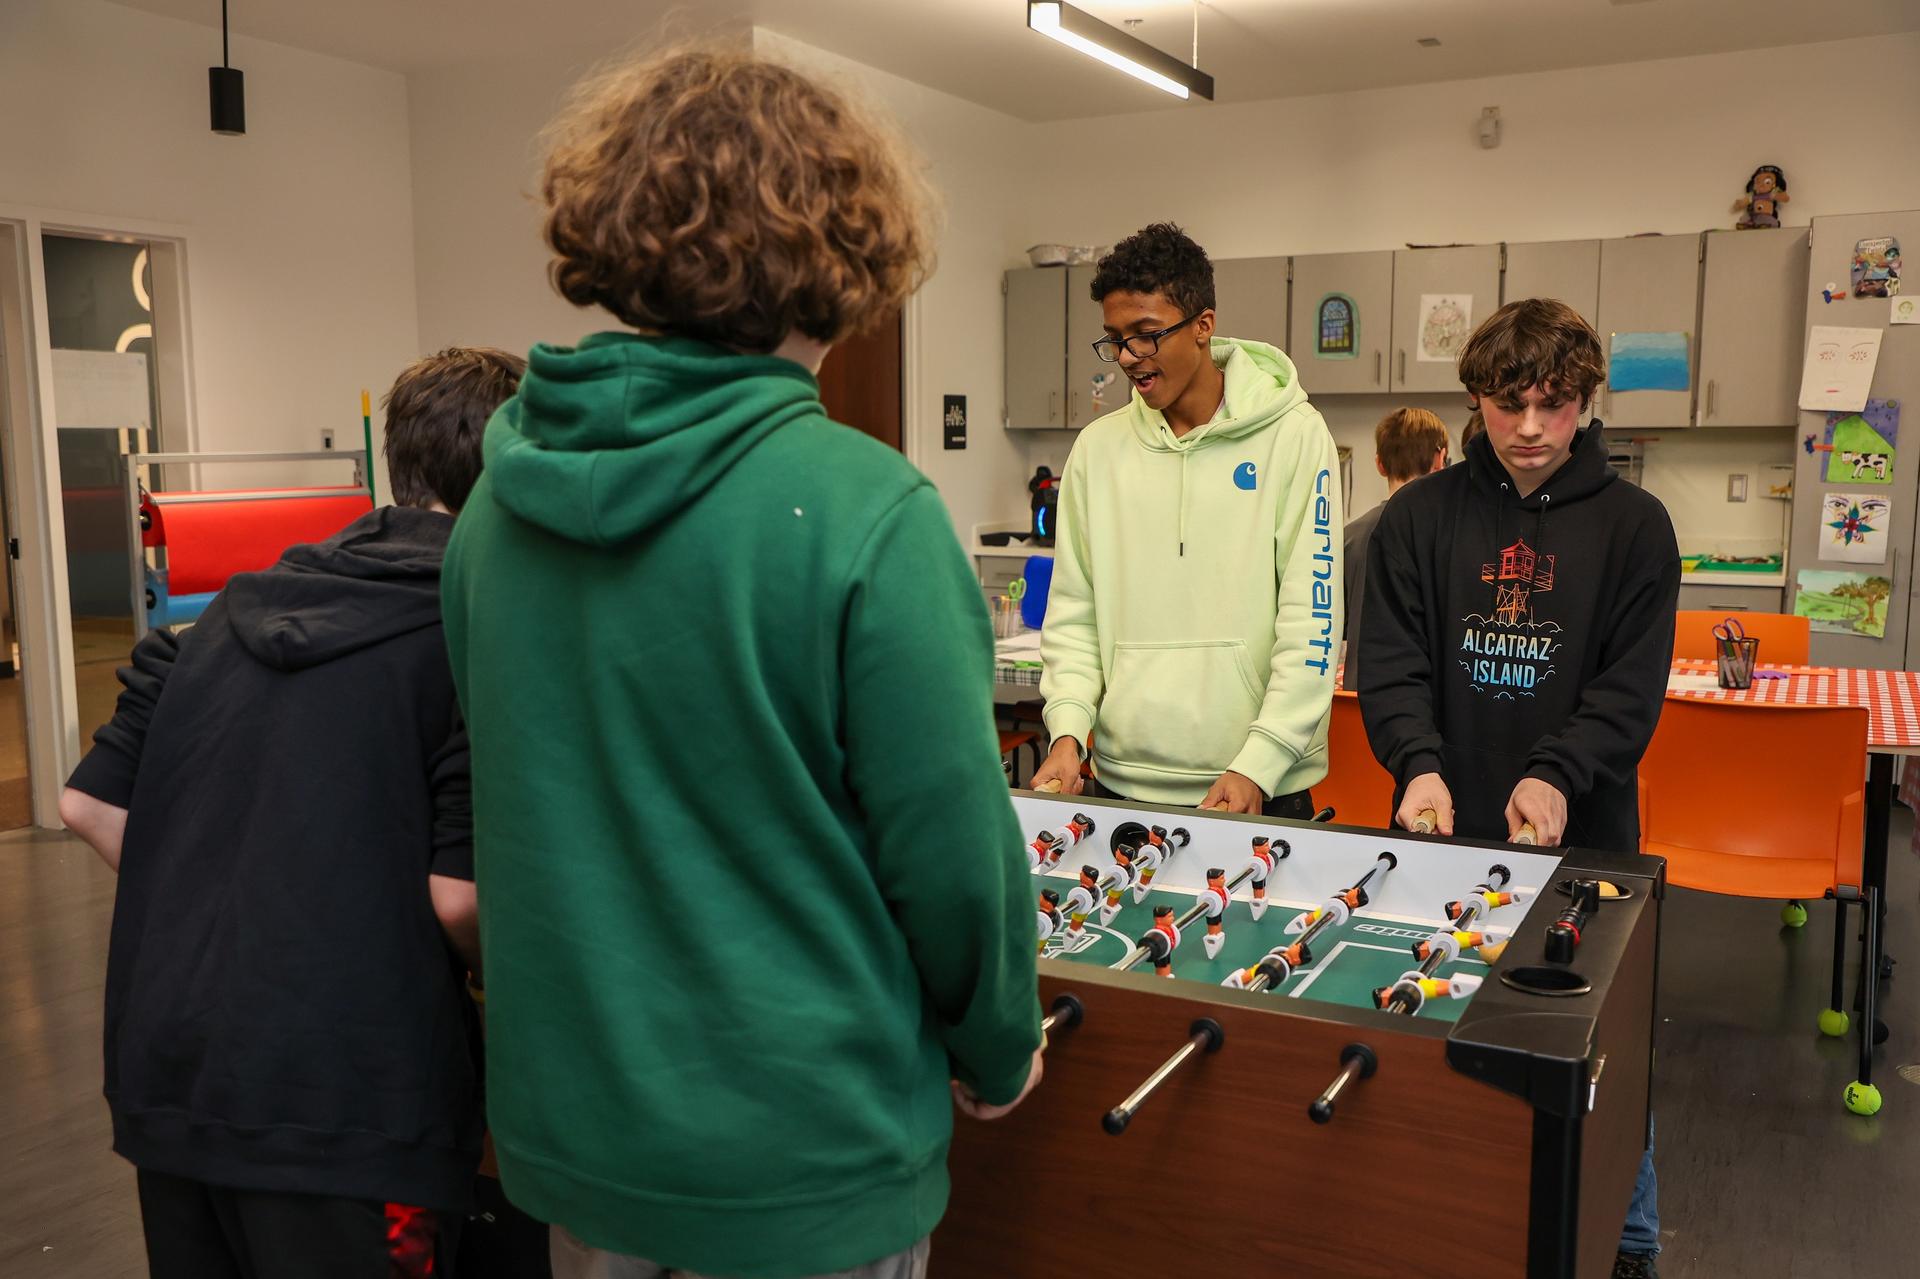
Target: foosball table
{"x": 1288, "y": 1048}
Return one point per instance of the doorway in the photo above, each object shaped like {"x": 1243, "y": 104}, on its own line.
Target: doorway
{"x": 862, "y": 381}
{"x": 16, "y": 786}
{"x": 102, "y": 329}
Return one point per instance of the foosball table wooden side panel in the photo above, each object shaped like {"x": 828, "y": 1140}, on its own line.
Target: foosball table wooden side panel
{"x": 1421, "y": 1172}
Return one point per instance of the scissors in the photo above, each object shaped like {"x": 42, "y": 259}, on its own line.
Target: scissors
{"x": 1017, "y": 589}
{"x": 1729, "y": 631}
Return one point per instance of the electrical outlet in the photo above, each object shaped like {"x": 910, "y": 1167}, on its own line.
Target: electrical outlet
{"x": 1736, "y": 488}
{"x": 326, "y": 440}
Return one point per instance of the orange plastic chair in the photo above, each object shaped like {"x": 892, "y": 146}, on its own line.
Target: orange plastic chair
{"x": 1761, "y": 801}
{"x": 1784, "y": 638}
{"x": 1359, "y": 791}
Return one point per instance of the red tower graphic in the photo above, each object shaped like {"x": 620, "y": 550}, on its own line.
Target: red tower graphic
{"x": 1519, "y": 573}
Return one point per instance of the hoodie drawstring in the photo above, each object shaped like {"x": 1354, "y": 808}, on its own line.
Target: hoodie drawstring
{"x": 1183, "y": 503}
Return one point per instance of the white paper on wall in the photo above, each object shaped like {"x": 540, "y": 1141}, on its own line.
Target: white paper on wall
{"x": 1838, "y": 371}
{"x": 1853, "y": 527}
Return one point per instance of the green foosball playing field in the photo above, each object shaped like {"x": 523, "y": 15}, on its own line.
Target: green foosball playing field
{"x": 1349, "y": 961}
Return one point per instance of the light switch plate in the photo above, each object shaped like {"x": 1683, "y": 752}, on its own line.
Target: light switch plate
{"x": 1736, "y": 488}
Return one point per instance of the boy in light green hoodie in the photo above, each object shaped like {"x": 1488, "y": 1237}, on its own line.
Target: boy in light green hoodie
{"x": 1194, "y": 617}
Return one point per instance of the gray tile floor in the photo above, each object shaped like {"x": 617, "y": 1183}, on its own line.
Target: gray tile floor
{"x": 1763, "y": 1174}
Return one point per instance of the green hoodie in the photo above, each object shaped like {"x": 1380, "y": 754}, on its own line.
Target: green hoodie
{"x": 750, "y": 879}
{"x": 1164, "y": 636}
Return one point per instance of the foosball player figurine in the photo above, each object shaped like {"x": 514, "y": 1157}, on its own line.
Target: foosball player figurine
{"x": 1119, "y": 884}
{"x": 1081, "y": 900}
{"x": 1045, "y": 850}
{"x": 1414, "y": 989}
{"x": 1049, "y": 915}
{"x": 1261, "y": 862}
{"x": 1161, "y": 941}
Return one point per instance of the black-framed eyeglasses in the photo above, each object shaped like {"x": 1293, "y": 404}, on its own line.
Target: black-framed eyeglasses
{"x": 1140, "y": 345}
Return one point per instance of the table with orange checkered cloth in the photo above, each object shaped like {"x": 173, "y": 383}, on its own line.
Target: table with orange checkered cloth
{"x": 1892, "y": 698}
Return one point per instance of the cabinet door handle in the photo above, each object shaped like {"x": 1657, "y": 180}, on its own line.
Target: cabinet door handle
{"x": 1403, "y": 367}
{"x": 1073, "y": 406}
{"x": 1376, "y": 368}
{"x": 1710, "y": 397}
{"x": 1053, "y": 405}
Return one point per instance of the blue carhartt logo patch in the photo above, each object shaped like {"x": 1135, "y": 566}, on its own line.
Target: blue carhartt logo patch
{"x": 1246, "y": 476}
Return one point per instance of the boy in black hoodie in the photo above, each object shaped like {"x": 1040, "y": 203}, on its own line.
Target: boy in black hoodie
{"x": 1518, "y": 624}
{"x": 283, "y": 789}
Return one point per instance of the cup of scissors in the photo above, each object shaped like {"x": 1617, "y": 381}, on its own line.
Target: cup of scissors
{"x": 1735, "y": 653}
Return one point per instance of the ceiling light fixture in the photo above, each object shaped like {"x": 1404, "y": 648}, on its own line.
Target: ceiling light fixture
{"x": 227, "y": 88}
{"x": 1085, "y": 33}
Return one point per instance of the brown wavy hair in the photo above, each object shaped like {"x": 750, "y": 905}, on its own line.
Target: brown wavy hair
{"x": 1539, "y": 342}
{"x": 712, "y": 193}
{"x": 1406, "y": 440}
{"x": 436, "y": 413}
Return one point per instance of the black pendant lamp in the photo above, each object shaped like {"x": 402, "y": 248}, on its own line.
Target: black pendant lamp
{"x": 227, "y": 88}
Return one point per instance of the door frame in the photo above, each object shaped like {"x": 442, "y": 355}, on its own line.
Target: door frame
{"x": 30, "y": 448}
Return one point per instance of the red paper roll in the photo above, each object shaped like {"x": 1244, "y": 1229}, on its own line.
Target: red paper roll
{"x": 210, "y": 537}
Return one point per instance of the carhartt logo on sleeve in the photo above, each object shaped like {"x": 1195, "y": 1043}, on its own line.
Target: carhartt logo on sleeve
{"x": 1322, "y": 574}
{"x": 1246, "y": 476}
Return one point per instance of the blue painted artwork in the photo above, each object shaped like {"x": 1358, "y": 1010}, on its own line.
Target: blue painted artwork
{"x": 1648, "y": 362}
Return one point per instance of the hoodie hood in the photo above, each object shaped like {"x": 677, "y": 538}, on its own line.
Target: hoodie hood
{"x": 376, "y": 579}
{"x": 607, "y": 440}
{"x": 1584, "y": 473}
{"x": 1262, "y": 386}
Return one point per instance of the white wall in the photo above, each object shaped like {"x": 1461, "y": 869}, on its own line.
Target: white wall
{"x": 482, "y": 265}
{"x": 299, "y": 235}
{"x": 479, "y": 260}
{"x": 1604, "y": 151}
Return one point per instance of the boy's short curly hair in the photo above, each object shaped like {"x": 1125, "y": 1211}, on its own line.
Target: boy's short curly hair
{"x": 1539, "y": 342}
{"x": 711, "y": 193}
{"x": 1158, "y": 259}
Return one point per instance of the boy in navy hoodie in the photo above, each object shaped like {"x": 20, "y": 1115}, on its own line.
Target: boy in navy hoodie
{"x": 1518, "y": 624}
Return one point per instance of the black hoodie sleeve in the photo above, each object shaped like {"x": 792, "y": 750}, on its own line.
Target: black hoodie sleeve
{"x": 450, "y": 776}
{"x": 1608, "y": 733}
{"x": 108, "y": 771}
{"x": 1396, "y": 670}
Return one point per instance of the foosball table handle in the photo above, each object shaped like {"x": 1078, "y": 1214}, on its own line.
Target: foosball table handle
{"x": 1425, "y": 822}
{"x": 1526, "y": 834}
{"x": 1065, "y": 1013}
{"x": 1204, "y": 1036}
{"x": 1356, "y": 1062}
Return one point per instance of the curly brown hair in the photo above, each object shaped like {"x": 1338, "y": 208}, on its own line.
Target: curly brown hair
{"x": 1539, "y": 342}
{"x": 711, "y": 193}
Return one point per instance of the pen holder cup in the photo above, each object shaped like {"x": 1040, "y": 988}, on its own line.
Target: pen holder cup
{"x": 1735, "y": 662}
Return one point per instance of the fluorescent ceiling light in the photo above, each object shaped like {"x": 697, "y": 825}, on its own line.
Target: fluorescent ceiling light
{"x": 1087, "y": 34}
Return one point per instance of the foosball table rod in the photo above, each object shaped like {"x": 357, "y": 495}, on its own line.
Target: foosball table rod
{"x": 1204, "y": 1036}
{"x": 1065, "y": 1013}
{"x": 1426, "y": 822}
{"x": 1356, "y": 1062}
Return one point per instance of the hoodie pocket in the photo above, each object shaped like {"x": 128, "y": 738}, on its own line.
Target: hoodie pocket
{"x": 1181, "y": 707}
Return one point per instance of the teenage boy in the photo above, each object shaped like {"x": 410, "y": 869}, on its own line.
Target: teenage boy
{"x": 284, "y": 792}
{"x": 1194, "y": 616}
{"x": 1407, "y": 444}
{"x": 1519, "y": 623}
{"x": 750, "y": 876}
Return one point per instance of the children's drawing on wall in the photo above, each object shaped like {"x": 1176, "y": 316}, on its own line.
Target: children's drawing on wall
{"x": 1843, "y": 603}
{"x": 1876, "y": 268}
{"x": 1766, "y": 192}
{"x": 1648, "y": 362}
{"x": 1446, "y": 321}
{"x": 1856, "y": 527}
{"x": 1905, "y": 311}
{"x": 1838, "y": 370}
{"x": 1860, "y": 447}
{"x": 1338, "y": 335}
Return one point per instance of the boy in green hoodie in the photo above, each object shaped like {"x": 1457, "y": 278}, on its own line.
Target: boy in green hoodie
{"x": 1194, "y": 615}
{"x": 750, "y": 878}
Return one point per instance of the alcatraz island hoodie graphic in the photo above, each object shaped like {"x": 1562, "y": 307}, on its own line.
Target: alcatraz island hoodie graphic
{"x": 1196, "y": 593}
{"x": 1506, "y": 637}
